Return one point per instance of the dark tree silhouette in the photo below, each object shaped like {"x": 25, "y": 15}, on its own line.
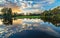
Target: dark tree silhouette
{"x": 7, "y": 15}
{"x": 52, "y": 15}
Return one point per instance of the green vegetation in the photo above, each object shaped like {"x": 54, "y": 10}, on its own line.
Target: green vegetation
{"x": 7, "y": 15}
{"x": 28, "y": 17}
{"x": 52, "y": 15}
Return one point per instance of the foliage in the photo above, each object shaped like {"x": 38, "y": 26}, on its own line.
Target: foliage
{"x": 52, "y": 15}
{"x": 7, "y": 15}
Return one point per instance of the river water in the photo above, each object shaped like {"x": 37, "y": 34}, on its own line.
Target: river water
{"x": 20, "y": 25}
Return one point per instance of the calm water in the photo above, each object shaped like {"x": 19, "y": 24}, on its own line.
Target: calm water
{"x": 29, "y": 28}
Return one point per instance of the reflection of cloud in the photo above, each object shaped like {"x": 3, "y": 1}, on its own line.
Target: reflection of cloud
{"x": 27, "y": 24}
{"x": 19, "y": 21}
{"x": 52, "y": 32}
{"x": 1, "y": 22}
{"x": 48, "y": 28}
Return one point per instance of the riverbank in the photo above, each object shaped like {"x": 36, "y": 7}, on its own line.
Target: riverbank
{"x": 28, "y": 17}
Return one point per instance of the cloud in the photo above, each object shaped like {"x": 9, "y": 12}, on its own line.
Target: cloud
{"x": 26, "y": 4}
{"x": 37, "y": 3}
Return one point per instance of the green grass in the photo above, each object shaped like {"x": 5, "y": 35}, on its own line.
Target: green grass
{"x": 35, "y": 16}
{"x": 28, "y": 17}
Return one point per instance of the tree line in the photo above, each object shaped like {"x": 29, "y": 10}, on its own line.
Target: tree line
{"x": 52, "y": 15}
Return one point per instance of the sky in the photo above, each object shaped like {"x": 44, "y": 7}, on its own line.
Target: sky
{"x": 30, "y": 5}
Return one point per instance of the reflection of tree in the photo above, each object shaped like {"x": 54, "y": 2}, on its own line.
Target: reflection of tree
{"x": 7, "y": 15}
{"x": 52, "y": 16}
{"x": 15, "y": 15}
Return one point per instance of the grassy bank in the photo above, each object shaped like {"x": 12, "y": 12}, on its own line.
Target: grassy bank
{"x": 28, "y": 17}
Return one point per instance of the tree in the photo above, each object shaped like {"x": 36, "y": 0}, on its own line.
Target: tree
{"x": 7, "y": 15}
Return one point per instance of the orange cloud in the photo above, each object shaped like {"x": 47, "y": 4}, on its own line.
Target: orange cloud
{"x": 16, "y": 9}
{"x": 18, "y": 21}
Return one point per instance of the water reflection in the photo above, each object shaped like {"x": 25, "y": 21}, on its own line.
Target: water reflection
{"x": 1, "y": 21}
{"x": 17, "y": 21}
{"x": 55, "y": 21}
{"x": 28, "y": 24}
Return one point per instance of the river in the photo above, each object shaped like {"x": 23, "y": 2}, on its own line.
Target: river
{"x": 21, "y": 25}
